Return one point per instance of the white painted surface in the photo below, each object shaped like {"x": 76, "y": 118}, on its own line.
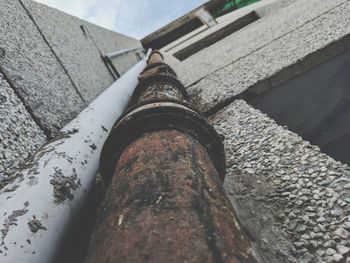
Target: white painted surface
{"x": 206, "y": 17}
{"x": 74, "y": 156}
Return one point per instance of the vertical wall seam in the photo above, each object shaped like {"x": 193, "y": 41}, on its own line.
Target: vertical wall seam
{"x": 38, "y": 122}
{"x": 52, "y": 50}
{"x": 99, "y": 51}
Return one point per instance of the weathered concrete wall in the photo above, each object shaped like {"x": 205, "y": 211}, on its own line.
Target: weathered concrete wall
{"x": 316, "y": 105}
{"x": 33, "y": 69}
{"x": 19, "y": 134}
{"x": 273, "y": 57}
{"x": 107, "y": 41}
{"x": 273, "y": 8}
{"x": 292, "y": 199}
{"x": 51, "y": 67}
{"x": 80, "y": 45}
{"x": 253, "y": 38}
{"x": 75, "y": 48}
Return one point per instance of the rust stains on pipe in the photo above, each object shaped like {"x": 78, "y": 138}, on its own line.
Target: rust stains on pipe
{"x": 165, "y": 165}
{"x": 155, "y": 57}
{"x": 159, "y": 82}
{"x": 166, "y": 204}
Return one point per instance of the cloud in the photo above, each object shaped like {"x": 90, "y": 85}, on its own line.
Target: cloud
{"x": 136, "y": 18}
{"x": 102, "y": 13}
{"x": 139, "y": 18}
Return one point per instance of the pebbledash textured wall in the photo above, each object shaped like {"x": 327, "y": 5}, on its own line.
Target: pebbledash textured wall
{"x": 292, "y": 199}
{"x": 51, "y": 67}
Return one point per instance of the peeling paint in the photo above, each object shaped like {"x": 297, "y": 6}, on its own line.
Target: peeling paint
{"x": 59, "y": 184}
{"x": 63, "y": 186}
{"x": 7, "y": 181}
{"x": 11, "y": 220}
{"x": 45, "y": 216}
{"x": 11, "y": 188}
{"x": 35, "y": 225}
{"x": 33, "y": 180}
{"x": 93, "y": 146}
{"x": 64, "y": 134}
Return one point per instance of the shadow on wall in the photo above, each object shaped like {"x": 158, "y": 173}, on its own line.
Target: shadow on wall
{"x": 316, "y": 105}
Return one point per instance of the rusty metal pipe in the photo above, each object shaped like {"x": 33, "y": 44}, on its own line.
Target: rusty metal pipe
{"x": 165, "y": 201}
{"x": 166, "y": 204}
{"x": 155, "y": 57}
{"x": 37, "y": 210}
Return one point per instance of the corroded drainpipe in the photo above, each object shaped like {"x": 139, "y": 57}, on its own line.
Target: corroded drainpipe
{"x": 165, "y": 165}
{"x": 38, "y": 209}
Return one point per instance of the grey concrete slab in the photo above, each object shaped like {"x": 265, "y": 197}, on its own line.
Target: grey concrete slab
{"x": 251, "y": 38}
{"x": 278, "y": 55}
{"x": 274, "y": 7}
{"x": 316, "y": 105}
{"x": 34, "y": 71}
{"x": 74, "y": 47}
{"x": 228, "y": 21}
{"x": 20, "y": 136}
{"x": 124, "y": 62}
{"x": 108, "y": 41}
{"x": 292, "y": 199}
{"x": 213, "y": 35}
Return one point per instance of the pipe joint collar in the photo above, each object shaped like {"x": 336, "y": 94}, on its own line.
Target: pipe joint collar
{"x": 159, "y": 67}
{"x": 158, "y": 79}
{"x": 161, "y": 116}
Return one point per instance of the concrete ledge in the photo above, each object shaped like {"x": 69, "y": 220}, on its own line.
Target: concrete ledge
{"x": 287, "y": 51}
{"x": 316, "y": 105}
{"x": 265, "y": 85}
{"x": 292, "y": 199}
{"x": 211, "y": 38}
{"x": 273, "y": 7}
{"x": 253, "y": 38}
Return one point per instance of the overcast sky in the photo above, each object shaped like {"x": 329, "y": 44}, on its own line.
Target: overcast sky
{"x": 136, "y": 18}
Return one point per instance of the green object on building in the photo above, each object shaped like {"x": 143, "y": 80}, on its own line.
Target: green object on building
{"x": 242, "y": 3}
{"x": 232, "y": 5}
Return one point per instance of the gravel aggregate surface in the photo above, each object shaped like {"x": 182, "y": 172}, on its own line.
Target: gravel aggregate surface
{"x": 34, "y": 71}
{"x": 251, "y": 38}
{"x": 20, "y": 136}
{"x": 266, "y": 62}
{"x": 74, "y": 47}
{"x": 293, "y": 200}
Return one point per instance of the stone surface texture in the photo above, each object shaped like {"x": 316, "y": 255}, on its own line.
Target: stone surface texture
{"x": 262, "y": 49}
{"x": 74, "y": 47}
{"x": 274, "y": 7}
{"x": 252, "y": 38}
{"x": 34, "y": 71}
{"x": 51, "y": 66}
{"x": 20, "y": 136}
{"x": 261, "y": 8}
{"x": 108, "y": 41}
{"x": 292, "y": 199}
